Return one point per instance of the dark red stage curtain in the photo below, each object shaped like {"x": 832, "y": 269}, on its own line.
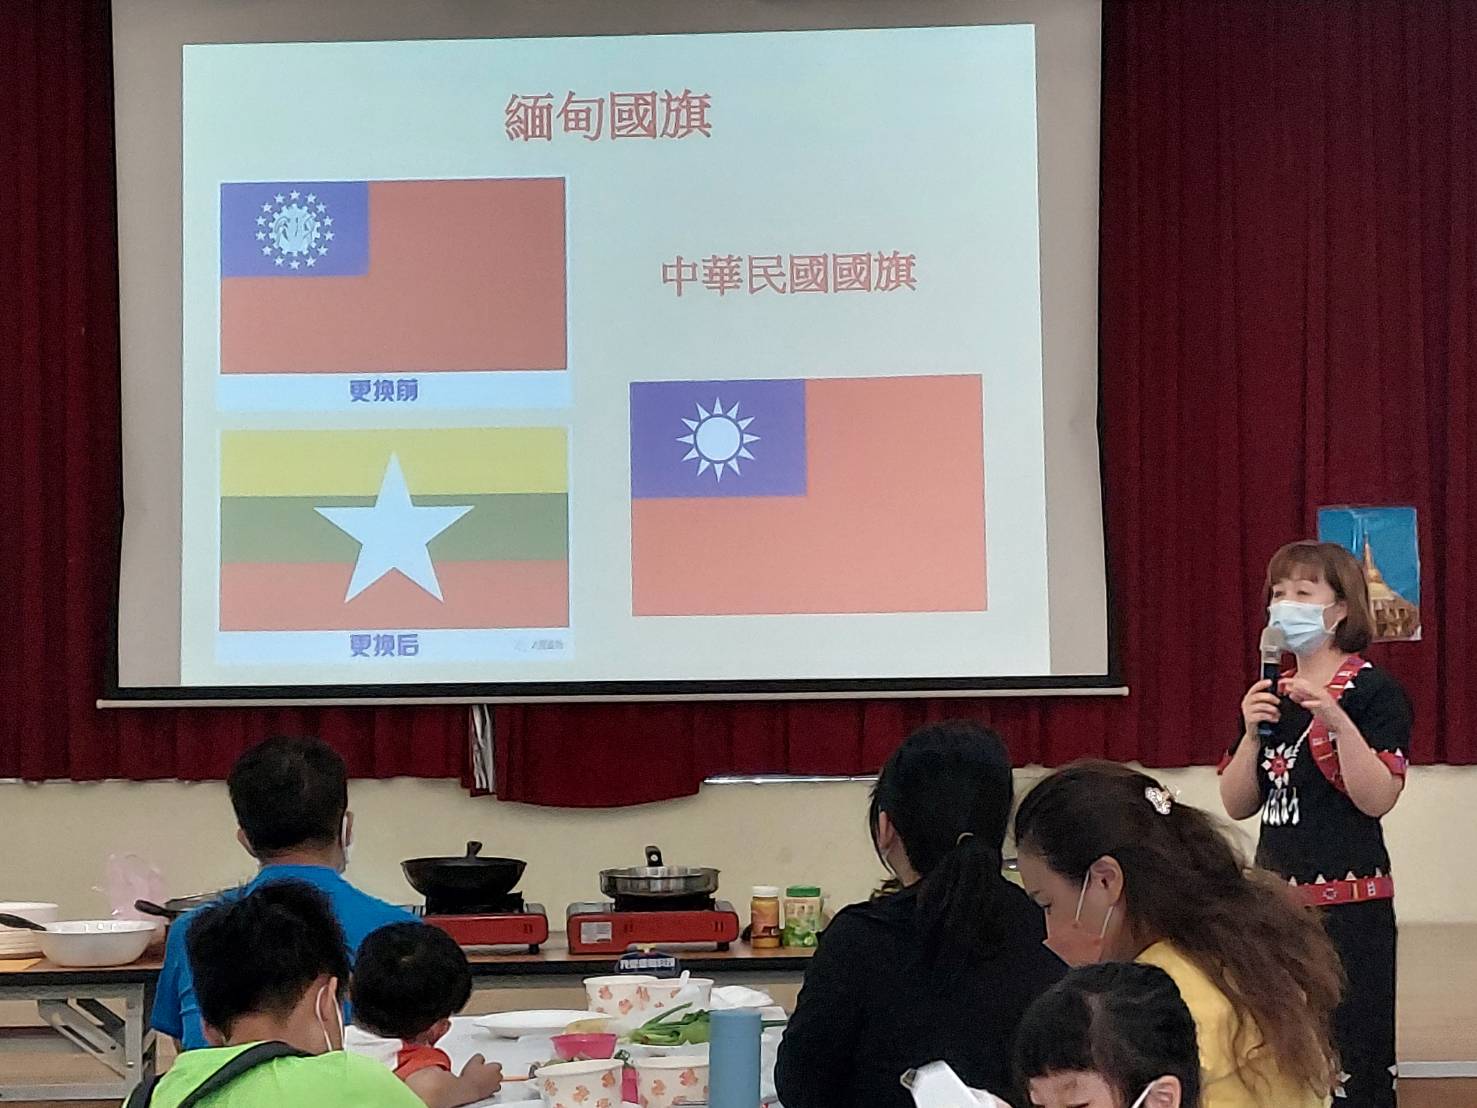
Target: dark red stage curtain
{"x": 1289, "y": 273}
{"x": 1289, "y": 319}
{"x": 60, "y": 501}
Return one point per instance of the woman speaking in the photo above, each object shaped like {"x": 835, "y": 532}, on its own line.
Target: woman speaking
{"x": 1328, "y": 764}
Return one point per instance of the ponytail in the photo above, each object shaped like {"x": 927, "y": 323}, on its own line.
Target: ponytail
{"x": 948, "y": 790}
{"x": 959, "y": 901}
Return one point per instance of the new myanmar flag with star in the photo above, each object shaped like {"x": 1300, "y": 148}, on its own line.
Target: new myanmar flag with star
{"x": 394, "y": 529}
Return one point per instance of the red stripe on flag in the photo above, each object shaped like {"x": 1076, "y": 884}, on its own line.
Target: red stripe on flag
{"x": 309, "y": 596}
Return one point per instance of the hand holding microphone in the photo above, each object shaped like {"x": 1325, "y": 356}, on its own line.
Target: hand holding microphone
{"x": 1261, "y": 708}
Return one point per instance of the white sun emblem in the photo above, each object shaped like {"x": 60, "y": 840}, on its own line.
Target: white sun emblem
{"x": 717, "y": 439}
{"x": 294, "y": 230}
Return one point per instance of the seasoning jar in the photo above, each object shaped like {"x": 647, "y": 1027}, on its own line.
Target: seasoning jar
{"x": 802, "y": 915}
{"x": 764, "y": 918}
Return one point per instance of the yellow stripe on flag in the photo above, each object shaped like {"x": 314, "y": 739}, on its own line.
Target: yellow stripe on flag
{"x": 352, "y": 463}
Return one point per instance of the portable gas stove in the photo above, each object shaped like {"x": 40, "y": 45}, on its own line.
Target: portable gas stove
{"x": 504, "y": 921}
{"x": 613, "y": 927}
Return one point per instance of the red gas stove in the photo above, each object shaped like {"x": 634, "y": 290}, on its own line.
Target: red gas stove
{"x": 613, "y": 927}
{"x": 508, "y": 921}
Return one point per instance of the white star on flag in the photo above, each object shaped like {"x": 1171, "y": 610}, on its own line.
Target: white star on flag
{"x": 393, "y": 535}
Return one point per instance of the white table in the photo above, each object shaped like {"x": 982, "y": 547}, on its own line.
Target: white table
{"x": 466, "y": 1039}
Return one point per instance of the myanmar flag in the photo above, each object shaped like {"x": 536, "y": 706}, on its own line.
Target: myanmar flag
{"x": 394, "y": 529}
{"x": 370, "y": 277}
{"x": 807, "y": 496}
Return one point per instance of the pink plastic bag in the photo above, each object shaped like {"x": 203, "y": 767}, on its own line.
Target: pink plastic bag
{"x": 128, "y": 879}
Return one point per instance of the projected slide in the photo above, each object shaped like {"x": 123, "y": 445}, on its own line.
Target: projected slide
{"x": 681, "y": 358}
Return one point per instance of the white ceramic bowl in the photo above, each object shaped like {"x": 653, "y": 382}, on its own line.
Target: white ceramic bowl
{"x": 17, "y": 941}
{"x": 96, "y": 942}
{"x": 593, "y": 1084}
{"x": 664, "y": 1082}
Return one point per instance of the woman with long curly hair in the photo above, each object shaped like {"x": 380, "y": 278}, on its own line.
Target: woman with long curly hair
{"x": 1126, "y": 873}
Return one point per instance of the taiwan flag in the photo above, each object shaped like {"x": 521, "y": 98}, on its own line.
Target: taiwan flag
{"x": 369, "y": 277}
{"x": 807, "y": 496}
{"x": 356, "y": 530}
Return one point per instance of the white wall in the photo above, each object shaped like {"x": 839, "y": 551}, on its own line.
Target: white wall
{"x": 55, "y": 838}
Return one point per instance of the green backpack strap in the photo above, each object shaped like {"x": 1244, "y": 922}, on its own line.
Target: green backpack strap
{"x": 244, "y": 1062}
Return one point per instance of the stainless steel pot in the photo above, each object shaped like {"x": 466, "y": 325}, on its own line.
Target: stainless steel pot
{"x": 655, "y": 880}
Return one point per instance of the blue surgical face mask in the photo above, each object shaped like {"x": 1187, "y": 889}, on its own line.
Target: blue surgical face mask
{"x": 1301, "y": 625}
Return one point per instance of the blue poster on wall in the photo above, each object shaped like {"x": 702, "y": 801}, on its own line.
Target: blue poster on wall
{"x": 1387, "y": 543}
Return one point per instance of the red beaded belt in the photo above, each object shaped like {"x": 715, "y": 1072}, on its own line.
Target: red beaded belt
{"x": 1322, "y": 894}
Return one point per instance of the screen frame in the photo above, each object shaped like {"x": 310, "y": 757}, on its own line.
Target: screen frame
{"x": 754, "y": 16}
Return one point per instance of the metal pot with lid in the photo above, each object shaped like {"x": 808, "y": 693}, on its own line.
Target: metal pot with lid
{"x": 657, "y": 881}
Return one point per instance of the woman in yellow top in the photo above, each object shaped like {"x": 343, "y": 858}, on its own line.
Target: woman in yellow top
{"x": 1125, "y": 873}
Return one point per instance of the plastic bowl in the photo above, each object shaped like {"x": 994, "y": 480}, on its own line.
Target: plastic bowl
{"x": 580, "y": 1084}
{"x": 572, "y": 1048}
{"x": 96, "y": 942}
{"x": 636, "y": 995}
{"x": 663, "y": 1082}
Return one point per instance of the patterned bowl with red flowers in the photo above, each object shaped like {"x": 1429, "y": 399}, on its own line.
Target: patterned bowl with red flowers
{"x": 635, "y": 995}
{"x": 666, "y": 1082}
{"x": 592, "y": 1084}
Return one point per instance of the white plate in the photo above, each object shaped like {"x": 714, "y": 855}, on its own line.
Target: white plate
{"x": 514, "y": 1025}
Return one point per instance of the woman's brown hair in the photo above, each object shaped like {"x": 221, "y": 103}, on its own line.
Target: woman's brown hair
{"x": 1185, "y": 883}
{"x": 1330, "y": 562}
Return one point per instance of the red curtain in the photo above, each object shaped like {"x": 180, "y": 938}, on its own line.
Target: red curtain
{"x": 60, "y": 503}
{"x": 1289, "y": 301}
{"x": 1289, "y": 276}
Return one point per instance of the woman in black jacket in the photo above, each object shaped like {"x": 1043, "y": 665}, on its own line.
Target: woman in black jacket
{"x": 942, "y": 969}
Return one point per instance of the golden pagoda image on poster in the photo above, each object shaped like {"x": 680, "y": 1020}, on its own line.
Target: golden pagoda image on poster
{"x": 1386, "y": 541}
{"x": 1394, "y": 616}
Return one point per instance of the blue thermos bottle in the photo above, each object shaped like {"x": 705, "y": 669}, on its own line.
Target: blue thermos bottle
{"x": 733, "y": 1075}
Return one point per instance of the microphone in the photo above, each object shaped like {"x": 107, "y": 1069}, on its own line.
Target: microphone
{"x": 1273, "y": 646}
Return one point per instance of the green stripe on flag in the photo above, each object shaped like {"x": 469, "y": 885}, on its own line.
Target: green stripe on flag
{"x": 506, "y": 527}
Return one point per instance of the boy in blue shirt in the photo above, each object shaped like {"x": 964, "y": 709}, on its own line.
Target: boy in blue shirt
{"x": 291, "y": 798}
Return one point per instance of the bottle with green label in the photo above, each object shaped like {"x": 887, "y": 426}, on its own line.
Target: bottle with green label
{"x": 802, "y": 916}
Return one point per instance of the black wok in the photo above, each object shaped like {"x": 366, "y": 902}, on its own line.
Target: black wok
{"x": 177, "y": 906}
{"x": 469, "y": 879}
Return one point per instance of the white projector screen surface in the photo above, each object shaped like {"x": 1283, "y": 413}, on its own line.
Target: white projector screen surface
{"x": 705, "y": 362}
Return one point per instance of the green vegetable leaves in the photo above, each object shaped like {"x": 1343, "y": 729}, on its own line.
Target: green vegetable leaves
{"x": 663, "y": 1030}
